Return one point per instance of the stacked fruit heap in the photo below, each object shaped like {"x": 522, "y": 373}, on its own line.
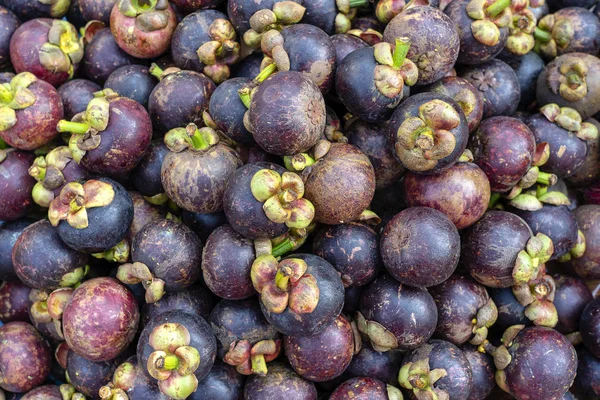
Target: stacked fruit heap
{"x": 299, "y": 200}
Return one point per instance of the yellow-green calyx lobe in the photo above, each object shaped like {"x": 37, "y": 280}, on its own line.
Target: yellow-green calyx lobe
{"x": 75, "y": 199}
{"x": 191, "y": 137}
{"x": 48, "y": 172}
{"x": 283, "y": 13}
{"x": 138, "y": 272}
{"x": 15, "y": 96}
{"x": 418, "y": 377}
{"x": 521, "y": 28}
{"x": 489, "y": 16}
{"x": 394, "y": 69}
{"x": 252, "y": 359}
{"x": 347, "y": 10}
{"x": 569, "y": 80}
{"x": 554, "y": 32}
{"x": 570, "y": 120}
{"x": 63, "y": 50}
{"x": 220, "y": 52}
{"x": 284, "y": 284}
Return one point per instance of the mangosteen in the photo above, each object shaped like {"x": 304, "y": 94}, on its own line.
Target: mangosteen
{"x": 437, "y": 368}
{"x": 527, "y": 67}
{"x": 178, "y": 349}
{"x": 245, "y": 339}
{"x": 521, "y": 31}
{"x": 344, "y": 44}
{"x": 510, "y": 311}
{"x": 227, "y": 111}
{"x": 130, "y": 381}
{"x": 330, "y": 15}
{"x": 590, "y": 327}
{"x": 366, "y": 388}
{"x": 143, "y": 29}
{"x": 14, "y": 302}
{"x": 428, "y": 30}
{"x": 10, "y": 23}
{"x": 25, "y": 358}
{"x": 498, "y": 85}
{"x": 92, "y": 216}
{"x": 9, "y": 233}
{"x": 222, "y": 382}
{"x": 482, "y": 369}
{"x": 368, "y": 28}
{"x": 32, "y": 108}
{"x": 132, "y": 81}
{"x": 96, "y": 10}
{"x": 188, "y": 6}
{"x": 588, "y": 372}
{"x": 56, "y": 44}
{"x": 465, "y": 310}
{"x": 195, "y": 172}
{"x": 300, "y": 295}
{"x": 203, "y": 224}
{"x": 45, "y": 392}
{"x": 280, "y": 383}
{"x": 144, "y": 213}
{"x": 146, "y": 175}
{"x": 248, "y": 67}
{"x": 15, "y": 184}
{"x": 86, "y": 376}
{"x": 205, "y": 41}
{"x": 588, "y": 217}
{"x": 76, "y": 95}
{"x": 29, "y": 9}
{"x": 386, "y": 10}
{"x": 111, "y": 136}
{"x": 587, "y": 174}
{"x": 195, "y": 299}
{"x": 571, "y": 297}
{"x": 392, "y": 315}
{"x": 372, "y": 363}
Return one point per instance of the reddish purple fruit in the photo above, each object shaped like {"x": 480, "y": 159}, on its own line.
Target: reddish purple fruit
{"x": 571, "y": 297}
{"x": 14, "y": 302}
{"x": 365, "y": 388}
{"x": 76, "y": 94}
{"x": 15, "y": 184}
{"x": 588, "y": 220}
{"x": 280, "y": 383}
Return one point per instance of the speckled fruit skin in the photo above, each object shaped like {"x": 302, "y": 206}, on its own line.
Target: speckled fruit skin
{"x": 331, "y": 301}
{"x": 97, "y": 10}
{"x": 498, "y": 85}
{"x": 345, "y": 44}
{"x": 420, "y": 246}
{"x": 482, "y": 371}
{"x": 10, "y": 23}
{"x": 434, "y": 40}
{"x": 585, "y": 30}
{"x": 227, "y": 110}
{"x": 445, "y": 355}
{"x": 462, "y": 192}
{"x": 25, "y": 358}
{"x": 547, "y": 355}
{"x": 372, "y": 363}
{"x": 75, "y": 95}
{"x": 503, "y": 148}
{"x": 101, "y": 319}
{"x": 201, "y": 337}
{"x": 41, "y": 259}
{"x": 243, "y": 211}
{"x": 240, "y": 11}
{"x": 132, "y": 81}
{"x": 45, "y": 392}
{"x": 287, "y": 114}
{"x": 14, "y": 302}
{"x": 556, "y": 222}
{"x": 103, "y": 56}
{"x": 571, "y": 297}
{"x": 15, "y": 185}
{"x": 457, "y": 299}
{"x": 88, "y": 376}
{"x": 587, "y": 381}
{"x": 178, "y": 99}
{"x": 588, "y": 220}
{"x": 36, "y": 124}
{"x": 137, "y": 42}
{"x": 172, "y": 252}
{"x": 280, "y": 383}
{"x": 510, "y": 311}
{"x": 323, "y": 356}
{"x": 195, "y": 180}
{"x": 340, "y": 185}
{"x": 108, "y": 225}
{"x": 408, "y": 312}
{"x": 143, "y": 214}
{"x": 361, "y": 388}
{"x": 196, "y": 300}
{"x": 222, "y": 382}
{"x": 352, "y": 249}
{"x": 9, "y": 233}
{"x": 25, "y": 46}
{"x": 589, "y": 325}
{"x": 491, "y": 245}
{"x": 146, "y": 177}
{"x": 226, "y": 261}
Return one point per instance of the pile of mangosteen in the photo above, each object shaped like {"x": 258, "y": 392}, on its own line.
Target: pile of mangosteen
{"x": 299, "y": 199}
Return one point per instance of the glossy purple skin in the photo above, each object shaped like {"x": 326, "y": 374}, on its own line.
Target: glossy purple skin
{"x": 45, "y": 392}
{"x": 124, "y": 141}
{"x": 191, "y": 33}
{"x": 132, "y": 81}
{"x": 510, "y": 311}
{"x": 588, "y": 220}
{"x": 372, "y": 140}
{"x": 374, "y": 364}
{"x": 9, "y": 233}
{"x": 41, "y": 259}
{"x": 203, "y": 224}
{"x": 547, "y": 355}
{"x": 178, "y": 99}
{"x": 589, "y": 325}
{"x": 490, "y": 247}
{"x": 503, "y": 148}
{"x": 201, "y": 337}
{"x": 587, "y": 381}
{"x": 188, "y": 6}
{"x": 101, "y": 319}
{"x": 146, "y": 176}
{"x": 345, "y": 44}
{"x": 420, "y": 246}
{"x": 25, "y": 46}
{"x": 498, "y": 85}
{"x": 9, "y": 23}
{"x": 25, "y": 357}
{"x": 410, "y": 108}
{"x": 15, "y": 185}
{"x": 445, "y": 355}
{"x": 243, "y": 211}
{"x": 143, "y": 214}
{"x": 361, "y": 388}
{"x": 28, "y": 9}
{"x": 352, "y": 249}
{"x": 556, "y": 222}
{"x": 103, "y": 56}
{"x": 482, "y": 369}
{"x": 571, "y": 297}
{"x": 98, "y": 10}
{"x": 226, "y": 262}
{"x": 222, "y": 382}
{"x": 585, "y": 30}
{"x": 227, "y": 110}
{"x": 321, "y": 13}
{"x": 76, "y": 94}
{"x": 195, "y": 300}
{"x": 14, "y": 302}
{"x": 36, "y": 124}
{"x": 588, "y": 173}
{"x": 280, "y": 383}
{"x": 567, "y": 151}
{"x": 471, "y": 50}
{"x": 240, "y": 11}
{"x": 88, "y": 376}
{"x": 527, "y": 68}
{"x": 249, "y": 67}
{"x": 407, "y": 312}
{"x": 329, "y": 306}
{"x": 457, "y": 299}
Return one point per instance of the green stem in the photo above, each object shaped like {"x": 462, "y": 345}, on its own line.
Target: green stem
{"x": 358, "y": 3}
{"x": 497, "y": 7}
{"x": 259, "y": 365}
{"x": 171, "y": 362}
{"x": 544, "y": 178}
{"x": 245, "y": 97}
{"x": 5, "y": 95}
{"x": 494, "y": 199}
{"x": 282, "y": 281}
{"x": 400, "y": 52}
{"x": 573, "y": 79}
{"x": 143, "y": 5}
{"x": 198, "y": 141}
{"x": 282, "y": 248}
{"x": 541, "y": 35}
{"x": 265, "y": 73}
{"x": 73, "y": 127}
{"x": 156, "y": 71}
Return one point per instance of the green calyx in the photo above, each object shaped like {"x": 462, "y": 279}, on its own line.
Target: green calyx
{"x": 386, "y": 10}
{"x": 191, "y": 137}
{"x": 252, "y": 359}
{"x": 554, "y": 33}
{"x": 119, "y": 253}
{"x": 488, "y": 18}
{"x": 380, "y": 337}
{"x": 521, "y": 28}
{"x": 347, "y": 10}
{"x": 58, "y": 8}
{"x": 578, "y": 249}
{"x": 394, "y": 69}
{"x": 47, "y": 171}
{"x": 418, "y": 377}
{"x": 74, "y": 277}
{"x": 76, "y": 198}
{"x": 282, "y": 198}
{"x": 137, "y": 272}
{"x": 246, "y": 92}
{"x": 133, "y": 8}
{"x": 15, "y": 96}
{"x": 534, "y": 199}
{"x": 570, "y": 120}
{"x": 68, "y": 392}
{"x": 63, "y": 49}
{"x": 529, "y": 262}
{"x": 486, "y": 317}
{"x": 220, "y": 52}
{"x": 283, "y": 13}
